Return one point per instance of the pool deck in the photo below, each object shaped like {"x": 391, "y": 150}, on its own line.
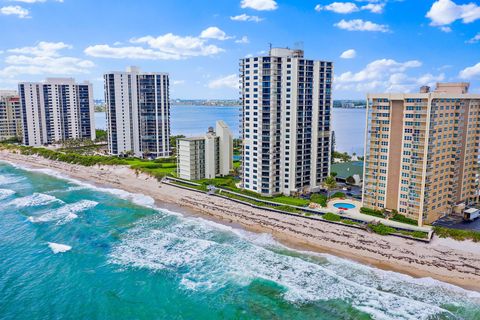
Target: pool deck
{"x": 355, "y": 213}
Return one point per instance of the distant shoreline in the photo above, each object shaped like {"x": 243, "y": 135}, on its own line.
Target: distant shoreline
{"x": 443, "y": 259}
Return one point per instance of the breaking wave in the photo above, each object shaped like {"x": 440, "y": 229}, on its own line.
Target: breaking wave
{"x": 65, "y": 213}
{"x": 209, "y": 257}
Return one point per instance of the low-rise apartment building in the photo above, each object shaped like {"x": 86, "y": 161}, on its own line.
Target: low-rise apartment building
{"x": 206, "y": 157}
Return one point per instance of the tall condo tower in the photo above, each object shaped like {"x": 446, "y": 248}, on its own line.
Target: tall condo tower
{"x": 138, "y": 113}
{"x": 421, "y": 151}
{"x": 286, "y": 102}
{"x": 10, "y": 115}
{"x": 56, "y": 110}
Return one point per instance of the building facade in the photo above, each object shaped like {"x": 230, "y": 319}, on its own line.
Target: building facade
{"x": 56, "y": 110}
{"x": 138, "y": 113}
{"x": 10, "y": 115}
{"x": 206, "y": 157}
{"x": 421, "y": 151}
{"x": 285, "y": 127}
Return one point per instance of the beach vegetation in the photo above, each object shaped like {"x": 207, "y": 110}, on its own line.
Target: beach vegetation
{"x": 321, "y": 199}
{"x": 332, "y": 217}
{"x": 386, "y": 230}
{"x": 401, "y": 218}
{"x": 457, "y": 234}
{"x": 371, "y": 212}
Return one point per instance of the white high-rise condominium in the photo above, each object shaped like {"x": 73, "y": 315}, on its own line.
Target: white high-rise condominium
{"x": 138, "y": 113}
{"x": 56, "y": 110}
{"x": 286, "y": 101}
{"x": 10, "y": 115}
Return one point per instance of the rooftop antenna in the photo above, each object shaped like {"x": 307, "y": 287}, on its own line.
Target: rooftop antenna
{"x": 298, "y": 45}
{"x": 270, "y": 48}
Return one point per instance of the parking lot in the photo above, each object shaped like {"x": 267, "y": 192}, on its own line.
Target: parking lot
{"x": 456, "y": 222}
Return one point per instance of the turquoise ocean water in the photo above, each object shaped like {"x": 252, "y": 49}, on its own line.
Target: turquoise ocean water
{"x": 69, "y": 250}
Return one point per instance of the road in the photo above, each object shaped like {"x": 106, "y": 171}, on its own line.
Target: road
{"x": 456, "y": 222}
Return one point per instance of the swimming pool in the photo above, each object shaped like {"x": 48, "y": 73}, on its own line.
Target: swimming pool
{"x": 344, "y": 206}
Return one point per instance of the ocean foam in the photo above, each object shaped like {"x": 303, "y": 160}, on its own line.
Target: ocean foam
{"x": 36, "y": 199}
{"x": 64, "y": 214}
{"x": 10, "y": 179}
{"x": 137, "y": 198}
{"x": 59, "y": 248}
{"x": 207, "y": 259}
{"x": 5, "y": 193}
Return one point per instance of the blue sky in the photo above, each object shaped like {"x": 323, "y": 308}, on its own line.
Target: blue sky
{"x": 376, "y": 45}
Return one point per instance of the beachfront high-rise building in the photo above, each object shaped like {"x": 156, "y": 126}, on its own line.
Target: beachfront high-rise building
{"x": 206, "y": 157}
{"x": 286, "y": 103}
{"x": 10, "y": 115}
{"x": 421, "y": 151}
{"x": 56, "y": 110}
{"x": 138, "y": 113}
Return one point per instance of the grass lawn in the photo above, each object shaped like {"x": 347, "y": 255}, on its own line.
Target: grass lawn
{"x": 157, "y": 168}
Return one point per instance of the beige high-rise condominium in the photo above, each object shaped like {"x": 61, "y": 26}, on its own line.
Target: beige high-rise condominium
{"x": 422, "y": 151}
{"x": 10, "y": 115}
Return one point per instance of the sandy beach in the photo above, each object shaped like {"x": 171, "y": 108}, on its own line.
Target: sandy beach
{"x": 443, "y": 259}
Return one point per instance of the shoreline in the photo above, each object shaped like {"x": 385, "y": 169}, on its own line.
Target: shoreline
{"x": 447, "y": 260}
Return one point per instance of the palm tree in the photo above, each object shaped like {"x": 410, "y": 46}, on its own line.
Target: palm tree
{"x": 329, "y": 183}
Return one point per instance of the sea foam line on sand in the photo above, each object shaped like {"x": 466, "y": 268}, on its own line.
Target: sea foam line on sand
{"x": 137, "y": 198}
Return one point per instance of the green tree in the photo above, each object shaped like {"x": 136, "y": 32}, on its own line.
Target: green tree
{"x": 329, "y": 183}
{"x": 351, "y": 180}
{"x": 101, "y": 135}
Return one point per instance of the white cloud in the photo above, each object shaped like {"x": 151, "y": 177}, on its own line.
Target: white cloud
{"x": 164, "y": 47}
{"x": 374, "y": 7}
{"x": 243, "y": 40}
{"x": 261, "y": 5}
{"x": 361, "y": 25}
{"x": 214, "y": 33}
{"x": 470, "y": 72}
{"x": 49, "y": 49}
{"x": 350, "y": 7}
{"x": 339, "y": 7}
{"x": 445, "y": 12}
{"x": 475, "y": 39}
{"x": 44, "y": 58}
{"x": 14, "y": 10}
{"x": 349, "y": 54}
{"x": 178, "y": 82}
{"x": 230, "y": 81}
{"x": 446, "y": 29}
{"x": 246, "y": 17}
{"x": 385, "y": 75}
